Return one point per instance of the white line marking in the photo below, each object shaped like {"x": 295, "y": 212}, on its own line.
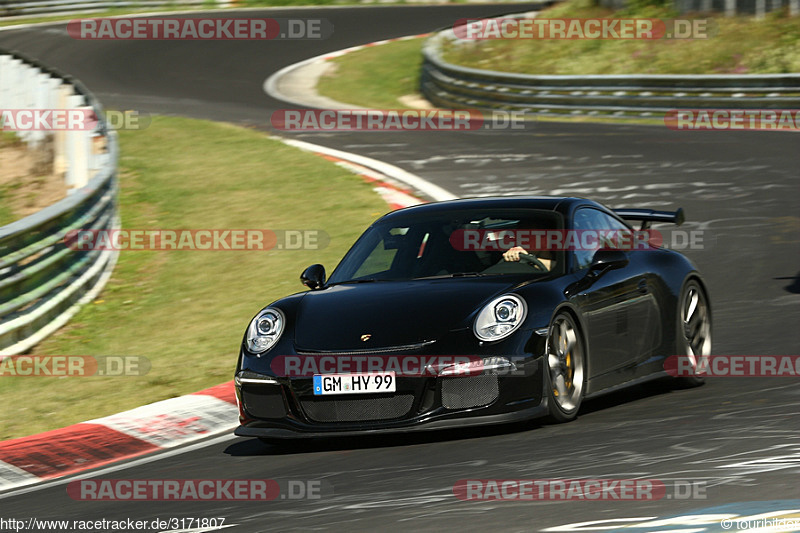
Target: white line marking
{"x": 412, "y": 180}
{"x": 11, "y": 476}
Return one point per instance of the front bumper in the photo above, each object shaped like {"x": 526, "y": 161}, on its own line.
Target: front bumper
{"x": 285, "y": 407}
{"x": 271, "y": 431}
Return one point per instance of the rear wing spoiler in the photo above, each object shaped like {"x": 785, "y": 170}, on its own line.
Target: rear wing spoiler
{"x": 647, "y": 216}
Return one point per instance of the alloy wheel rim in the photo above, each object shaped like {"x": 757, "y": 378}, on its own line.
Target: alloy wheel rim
{"x": 696, "y": 325}
{"x": 565, "y": 362}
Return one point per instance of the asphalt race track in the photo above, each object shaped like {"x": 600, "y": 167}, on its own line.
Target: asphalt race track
{"x": 738, "y": 439}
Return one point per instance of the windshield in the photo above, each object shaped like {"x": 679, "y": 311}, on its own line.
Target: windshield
{"x": 448, "y": 244}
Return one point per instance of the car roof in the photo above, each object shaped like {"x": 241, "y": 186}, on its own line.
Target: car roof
{"x": 562, "y": 204}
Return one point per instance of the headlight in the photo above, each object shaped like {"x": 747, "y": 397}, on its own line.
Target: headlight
{"x": 265, "y": 330}
{"x": 500, "y": 318}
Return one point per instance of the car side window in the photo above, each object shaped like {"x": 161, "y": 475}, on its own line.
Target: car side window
{"x": 588, "y": 218}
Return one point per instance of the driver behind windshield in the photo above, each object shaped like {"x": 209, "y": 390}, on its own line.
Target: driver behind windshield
{"x": 514, "y": 254}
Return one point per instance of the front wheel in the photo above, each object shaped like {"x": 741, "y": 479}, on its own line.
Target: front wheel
{"x": 566, "y": 362}
{"x": 694, "y": 329}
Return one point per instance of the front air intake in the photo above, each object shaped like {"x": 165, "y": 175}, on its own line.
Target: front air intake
{"x": 465, "y": 392}
{"x": 366, "y": 409}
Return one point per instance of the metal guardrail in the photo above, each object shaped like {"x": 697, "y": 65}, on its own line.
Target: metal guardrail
{"x": 454, "y": 86}
{"x": 42, "y": 281}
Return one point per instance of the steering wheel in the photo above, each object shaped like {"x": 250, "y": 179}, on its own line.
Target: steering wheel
{"x": 533, "y": 261}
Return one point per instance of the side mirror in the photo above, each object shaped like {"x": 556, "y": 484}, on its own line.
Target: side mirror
{"x": 313, "y": 277}
{"x": 607, "y": 260}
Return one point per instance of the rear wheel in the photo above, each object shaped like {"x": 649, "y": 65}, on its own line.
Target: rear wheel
{"x": 694, "y": 329}
{"x": 566, "y": 363}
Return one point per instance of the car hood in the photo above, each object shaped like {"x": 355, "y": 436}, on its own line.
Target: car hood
{"x": 392, "y": 313}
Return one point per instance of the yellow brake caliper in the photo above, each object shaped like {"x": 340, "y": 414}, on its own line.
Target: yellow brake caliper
{"x": 570, "y": 372}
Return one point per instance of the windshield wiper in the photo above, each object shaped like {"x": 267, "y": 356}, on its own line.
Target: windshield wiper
{"x": 455, "y": 275}
{"x": 349, "y": 281}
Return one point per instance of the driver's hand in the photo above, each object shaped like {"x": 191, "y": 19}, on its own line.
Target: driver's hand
{"x": 513, "y": 253}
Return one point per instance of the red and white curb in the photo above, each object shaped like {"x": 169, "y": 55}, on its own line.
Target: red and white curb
{"x": 153, "y": 427}
{"x": 393, "y": 194}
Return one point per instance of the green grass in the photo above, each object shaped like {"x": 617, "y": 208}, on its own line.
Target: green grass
{"x": 265, "y": 3}
{"x": 7, "y": 216}
{"x": 351, "y": 80}
{"x": 269, "y": 3}
{"x": 375, "y": 76}
{"x": 742, "y": 45}
{"x": 186, "y": 311}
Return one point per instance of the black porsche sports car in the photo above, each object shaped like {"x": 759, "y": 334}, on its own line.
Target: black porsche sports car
{"x": 474, "y": 311}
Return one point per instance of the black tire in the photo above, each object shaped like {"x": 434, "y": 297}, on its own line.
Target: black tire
{"x": 565, "y": 368}
{"x": 693, "y": 336}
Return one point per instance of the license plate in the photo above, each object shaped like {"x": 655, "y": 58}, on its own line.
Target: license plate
{"x": 353, "y": 383}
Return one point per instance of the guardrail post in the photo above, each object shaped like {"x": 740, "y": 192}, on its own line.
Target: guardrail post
{"x": 77, "y": 164}
{"x": 17, "y": 92}
{"x": 5, "y": 78}
{"x": 30, "y": 87}
{"x": 60, "y": 144}
{"x": 82, "y": 155}
{"x": 40, "y": 82}
{"x": 27, "y": 96}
